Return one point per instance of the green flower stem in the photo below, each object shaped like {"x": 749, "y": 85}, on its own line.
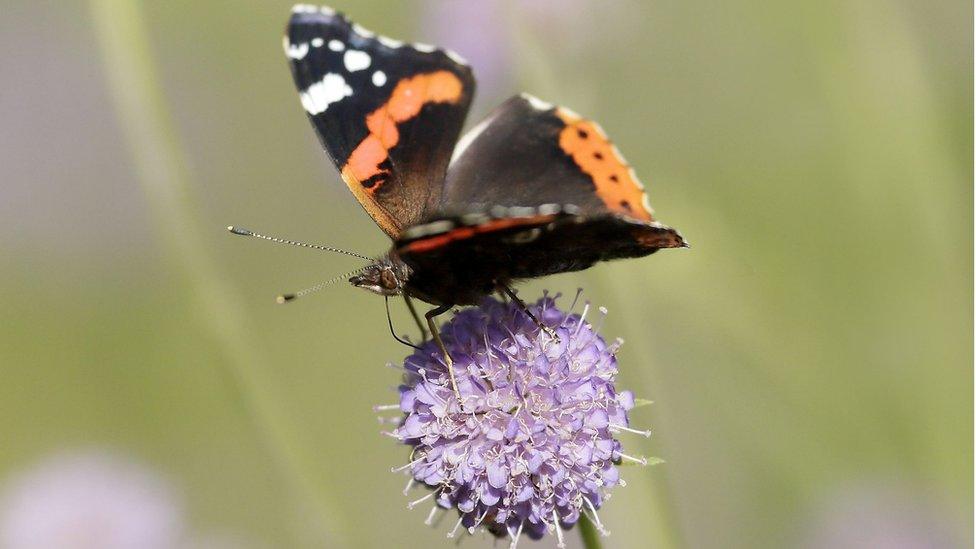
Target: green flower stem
{"x": 588, "y": 533}
{"x": 160, "y": 162}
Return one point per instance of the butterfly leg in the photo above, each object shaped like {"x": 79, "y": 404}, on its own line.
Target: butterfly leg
{"x": 389, "y": 321}
{"x": 440, "y": 345}
{"x": 525, "y": 309}
{"x": 416, "y": 318}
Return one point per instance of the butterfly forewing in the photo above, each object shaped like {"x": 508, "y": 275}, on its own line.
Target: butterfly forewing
{"x": 387, "y": 112}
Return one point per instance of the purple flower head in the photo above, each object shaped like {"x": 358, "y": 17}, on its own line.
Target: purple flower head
{"x": 533, "y": 447}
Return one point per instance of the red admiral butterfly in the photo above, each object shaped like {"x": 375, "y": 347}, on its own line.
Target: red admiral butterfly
{"x": 532, "y": 190}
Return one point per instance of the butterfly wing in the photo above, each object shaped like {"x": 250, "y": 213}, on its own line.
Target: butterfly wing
{"x": 386, "y": 112}
{"x": 457, "y": 259}
{"x": 530, "y": 154}
{"x": 532, "y": 190}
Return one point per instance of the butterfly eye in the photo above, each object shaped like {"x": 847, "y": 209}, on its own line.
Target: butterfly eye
{"x": 388, "y": 280}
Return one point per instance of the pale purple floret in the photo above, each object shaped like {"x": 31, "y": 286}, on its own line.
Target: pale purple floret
{"x": 534, "y": 444}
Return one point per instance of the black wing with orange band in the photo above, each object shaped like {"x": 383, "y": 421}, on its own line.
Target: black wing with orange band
{"x": 531, "y": 154}
{"x": 533, "y": 190}
{"x": 528, "y": 153}
{"x": 388, "y": 113}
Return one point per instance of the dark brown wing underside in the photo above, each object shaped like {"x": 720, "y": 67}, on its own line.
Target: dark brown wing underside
{"x": 462, "y": 268}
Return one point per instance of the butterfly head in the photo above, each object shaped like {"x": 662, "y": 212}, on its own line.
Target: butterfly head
{"x": 387, "y": 276}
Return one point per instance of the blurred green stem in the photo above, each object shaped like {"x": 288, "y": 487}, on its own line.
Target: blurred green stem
{"x": 588, "y": 533}
{"x": 161, "y": 165}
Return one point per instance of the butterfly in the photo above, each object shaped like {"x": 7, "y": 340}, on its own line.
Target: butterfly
{"x": 532, "y": 190}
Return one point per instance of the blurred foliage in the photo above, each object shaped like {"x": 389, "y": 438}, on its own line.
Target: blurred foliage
{"x": 818, "y": 335}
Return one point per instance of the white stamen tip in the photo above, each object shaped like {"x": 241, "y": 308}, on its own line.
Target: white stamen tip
{"x": 430, "y": 517}
{"x": 640, "y": 461}
{"x": 414, "y": 503}
{"x": 646, "y": 434}
{"x": 456, "y": 526}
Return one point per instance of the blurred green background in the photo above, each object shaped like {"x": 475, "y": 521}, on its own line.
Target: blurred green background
{"x": 810, "y": 357}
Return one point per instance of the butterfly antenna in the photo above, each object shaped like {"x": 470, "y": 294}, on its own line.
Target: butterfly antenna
{"x": 246, "y": 232}
{"x": 285, "y": 298}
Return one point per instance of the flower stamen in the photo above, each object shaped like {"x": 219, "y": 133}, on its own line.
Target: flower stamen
{"x": 595, "y": 517}
{"x": 646, "y": 434}
{"x": 430, "y": 516}
{"x": 515, "y": 538}
{"x": 457, "y": 525}
{"x": 640, "y": 461}
{"x": 559, "y": 531}
{"x": 414, "y": 503}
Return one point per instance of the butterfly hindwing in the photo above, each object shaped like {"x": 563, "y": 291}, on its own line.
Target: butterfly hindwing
{"x": 456, "y": 259}
{"x": 388, "y": 113}
{"x": 528, "y": 152}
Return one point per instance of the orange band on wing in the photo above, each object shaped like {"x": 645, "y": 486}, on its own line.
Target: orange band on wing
{"x": 461, "y": 233}
{"x": 614, "y": 179}
{"x": 408, "y": 97}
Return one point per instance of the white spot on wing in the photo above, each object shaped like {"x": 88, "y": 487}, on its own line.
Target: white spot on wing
{"x": 356, "y": 60}
{"x": 317, "y": 42}
{"x": 647, "y": 204}
{"x": 426, "y": 48}
{"x": 304, "y": 8}
{"x": 336, "y": 45}
{"x": 499, "y": 211}
{"x": 633, "y": 175}
{"x": 455, "y": 57}
{"x": 570, "y": 113}
{"x": 331, "y": 89}
{"x": 600, "y": 131}
{"x": 379, "y": 78}
{"x": 440, "y": 226}
{"x": 389, "y": 42}
{"x": 525, "y": 237}
{"x": 617, "y": 154}
{"x": 362, "y": 31}
{"x": 297, "y": 51}
{"x": 326, "y": 10}
{"x": 475, "y": 218}
{"x": 537, "y": 103}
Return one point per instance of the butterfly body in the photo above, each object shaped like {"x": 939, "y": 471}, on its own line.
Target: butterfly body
{"x": 532, "y": 190}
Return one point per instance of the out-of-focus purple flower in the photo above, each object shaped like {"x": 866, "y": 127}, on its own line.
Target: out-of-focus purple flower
{"x": 89, "y": 501}
{"x": 533, "y": 447}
